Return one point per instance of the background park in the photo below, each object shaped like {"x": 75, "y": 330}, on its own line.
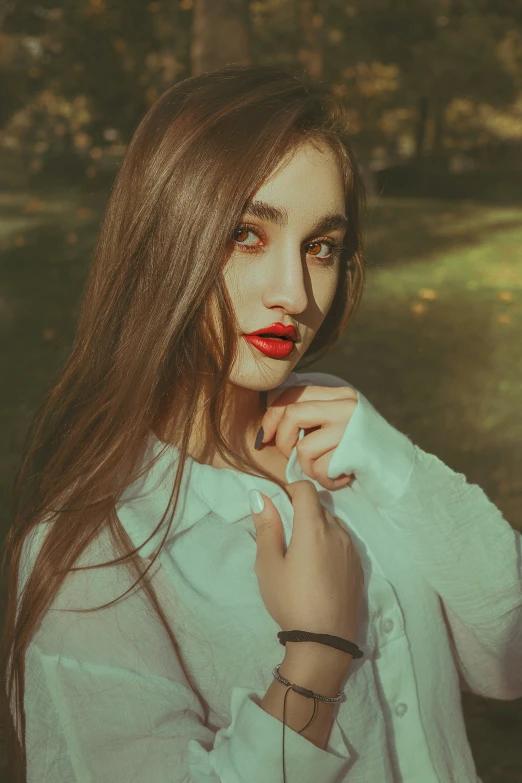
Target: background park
{"x": 434, "y": 91}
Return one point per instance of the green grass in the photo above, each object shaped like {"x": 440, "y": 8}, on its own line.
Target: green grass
{"x": 436, "y": 347}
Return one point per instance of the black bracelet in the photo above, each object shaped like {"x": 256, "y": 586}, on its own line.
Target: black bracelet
{"x": 322, "y": 638}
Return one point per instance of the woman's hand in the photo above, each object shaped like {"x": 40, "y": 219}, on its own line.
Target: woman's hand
{"x": 323, "y": 412}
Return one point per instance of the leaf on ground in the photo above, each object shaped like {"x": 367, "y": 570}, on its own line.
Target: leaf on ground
{"x": 83, "y": 212}
{"x": 33, "y": 205}
{"x": 428, "y": 293}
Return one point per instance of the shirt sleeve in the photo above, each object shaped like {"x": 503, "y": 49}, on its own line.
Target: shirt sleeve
{"x": 453, "y": 534}
{"x": 472, "y": 557}
{"x": 107, "y": 700}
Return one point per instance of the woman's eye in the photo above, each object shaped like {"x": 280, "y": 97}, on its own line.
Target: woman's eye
{"x": 240, "y": 232}
{"x": 329, "y": 249}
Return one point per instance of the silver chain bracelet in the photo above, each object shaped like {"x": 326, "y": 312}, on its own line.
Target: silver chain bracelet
{"x": 304, "y": 691}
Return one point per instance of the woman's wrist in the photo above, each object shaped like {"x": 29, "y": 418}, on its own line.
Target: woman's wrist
{"x": 320, "y": 670}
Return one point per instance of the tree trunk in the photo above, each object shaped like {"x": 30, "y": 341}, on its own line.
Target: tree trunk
{"x": 311, "y": 54}
{"x": 367, "y": 175}
{"x": 422, "y": 119}
{"x": 220, "y": 34}
{"x": 438, "y": 119}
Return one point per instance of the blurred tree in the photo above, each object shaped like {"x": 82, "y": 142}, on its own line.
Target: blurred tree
{"x": 310, "y": 53}
{"x": 415, "y": 77}
{"x": 118, "y": 54}
{"x": 445, "y": 49}
{"x": 15, "y": 82}
{"x": 220, "y": 34}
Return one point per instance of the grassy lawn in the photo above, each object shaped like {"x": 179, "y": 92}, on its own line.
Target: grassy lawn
{"x": 436, "y": 347}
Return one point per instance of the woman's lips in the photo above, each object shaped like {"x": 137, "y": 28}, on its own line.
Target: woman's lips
{"x": 275, "y": 347}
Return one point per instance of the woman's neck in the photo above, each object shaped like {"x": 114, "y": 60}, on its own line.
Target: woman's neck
{"x": 240, "y": 430}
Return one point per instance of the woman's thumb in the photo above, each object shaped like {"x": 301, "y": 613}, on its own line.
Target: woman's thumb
{"x": 267, "y": 521}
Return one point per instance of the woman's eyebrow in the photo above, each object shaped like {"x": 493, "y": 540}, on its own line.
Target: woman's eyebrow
{"x": 279, "y": 216}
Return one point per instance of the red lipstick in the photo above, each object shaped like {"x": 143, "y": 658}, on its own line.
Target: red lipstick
{"x": 276, "y": 340}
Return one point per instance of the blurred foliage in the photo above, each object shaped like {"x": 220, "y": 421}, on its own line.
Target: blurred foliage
{"x": 118, "y": 55}
{"x": 418, "y": 77}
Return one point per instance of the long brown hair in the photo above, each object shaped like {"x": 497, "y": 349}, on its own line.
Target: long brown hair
{"x": 146, "y": 338}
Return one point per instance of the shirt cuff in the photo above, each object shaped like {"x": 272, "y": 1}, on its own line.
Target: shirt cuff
{"x": 250, "y": 748}
{"x": 381, "y": 458}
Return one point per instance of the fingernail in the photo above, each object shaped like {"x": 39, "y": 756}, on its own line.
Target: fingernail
{"x": 259, "y": 437}
{"x": 255, "y": 498}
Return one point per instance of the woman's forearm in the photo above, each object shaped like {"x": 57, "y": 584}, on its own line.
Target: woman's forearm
{"x": 319, "y": 673}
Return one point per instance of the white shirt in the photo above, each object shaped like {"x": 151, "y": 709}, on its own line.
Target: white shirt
{"x": 107, "y": 701}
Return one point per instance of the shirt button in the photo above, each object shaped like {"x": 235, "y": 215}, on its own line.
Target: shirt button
{"x": 400, "y": 709}
{"x": 387, "y": 625}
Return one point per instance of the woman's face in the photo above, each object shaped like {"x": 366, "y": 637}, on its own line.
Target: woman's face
{"x": 284, "y": 266}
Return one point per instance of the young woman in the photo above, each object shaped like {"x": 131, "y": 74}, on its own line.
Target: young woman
{"x": 145, "y": 595}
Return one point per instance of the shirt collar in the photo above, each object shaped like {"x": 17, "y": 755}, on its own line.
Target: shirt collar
{"x": 204, "y": 489}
